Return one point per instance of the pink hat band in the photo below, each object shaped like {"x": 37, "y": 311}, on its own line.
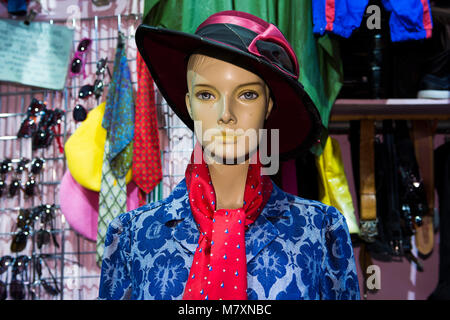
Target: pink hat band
{"x": 254, "y": 35}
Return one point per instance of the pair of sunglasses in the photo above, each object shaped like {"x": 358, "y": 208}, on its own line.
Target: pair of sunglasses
{"x": 97, "y": 88}
{"x": 5, "y": 262}
{"x": 78, "y": 61}
{"x": 29, "y": 189}
{"x": 46, "y": 231}
{"x": 88, "y": 90}
{"x": 25, "y": 225}
{"x": 102, "y": 66}
{"x": 46, "y": 133}
{"x": 17, "y": 290}
{"x": 79, "y": 113}
{"x": 28, "y": 127}
{"x": 43, "y": 132}
{"x": 5, "y": 168}
{"x": 15, "y": 185}
{"x": 50, "y": 289}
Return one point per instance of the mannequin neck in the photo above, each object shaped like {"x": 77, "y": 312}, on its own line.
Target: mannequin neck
{"x": 229, "y": 184}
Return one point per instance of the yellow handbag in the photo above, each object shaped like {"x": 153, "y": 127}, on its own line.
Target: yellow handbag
{"x": 85, "y": 148}
{"x": 333, "y": 184}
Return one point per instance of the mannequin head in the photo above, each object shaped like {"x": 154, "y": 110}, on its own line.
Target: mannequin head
{"x": 230, "y": 104}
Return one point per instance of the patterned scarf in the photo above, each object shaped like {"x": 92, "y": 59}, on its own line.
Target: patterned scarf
{"x": 118, "y": 119}
{"x": 147, "y": 171}
{"x": 219, "y": 268}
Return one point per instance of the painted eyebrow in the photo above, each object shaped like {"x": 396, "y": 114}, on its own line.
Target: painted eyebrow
{"x": 251, "y": 84}
{"x": 240, "y": 86}
{"x": 203, "y": 85}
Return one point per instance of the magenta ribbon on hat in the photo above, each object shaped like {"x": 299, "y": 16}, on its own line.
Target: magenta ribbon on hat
{"x": 266, "y": 32}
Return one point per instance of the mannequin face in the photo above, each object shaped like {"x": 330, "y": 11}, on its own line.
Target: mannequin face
{"x": 231, "y": 104}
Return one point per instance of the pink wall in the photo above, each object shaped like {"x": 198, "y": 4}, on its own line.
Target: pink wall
{"x": 68, "y": 9}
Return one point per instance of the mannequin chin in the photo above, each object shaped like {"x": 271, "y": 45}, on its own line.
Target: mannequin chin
{"x": 229, "y": 105}
{"x": 232, "y": 147}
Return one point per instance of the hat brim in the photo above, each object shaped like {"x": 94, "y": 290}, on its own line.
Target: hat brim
{"x": 166, "y": 54}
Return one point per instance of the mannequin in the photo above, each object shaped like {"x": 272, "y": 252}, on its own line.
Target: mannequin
{"x": 223, "y": 96}
{"x": 226, "y": 231}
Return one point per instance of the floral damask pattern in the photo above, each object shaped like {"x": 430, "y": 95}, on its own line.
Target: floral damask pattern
{"x": 169, "y": 274}
{"x": 296, "y": 249}
{"x": 269, "y": 266}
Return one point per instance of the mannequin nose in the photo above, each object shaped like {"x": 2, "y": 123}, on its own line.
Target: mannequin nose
{"x": 226, "y": 115}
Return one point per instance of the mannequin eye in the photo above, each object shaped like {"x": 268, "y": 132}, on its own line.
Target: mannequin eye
{"x": 205, "y": 95}
{"x": 249, "y": 95}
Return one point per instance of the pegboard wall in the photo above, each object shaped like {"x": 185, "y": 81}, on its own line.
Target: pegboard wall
{"x": 70, "y": 264}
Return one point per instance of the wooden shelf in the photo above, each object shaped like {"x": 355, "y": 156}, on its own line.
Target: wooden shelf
{"x": 381, "y": 109}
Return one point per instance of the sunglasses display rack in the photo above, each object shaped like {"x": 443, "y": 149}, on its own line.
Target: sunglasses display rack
{"x": 31, "y": 229}
{"x": 41, "y": 257}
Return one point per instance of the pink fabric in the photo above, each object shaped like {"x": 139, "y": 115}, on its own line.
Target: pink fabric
{"x": 329, "y": 14}
{"x": 242, "y": 19}
{"x": 80, "y": 205}
{"x": 132, "y": 196}
{"x": 427, "y": 18}
{"x": 266, "y": 31}
{"x": 274, "y": 35}
{"x": 82, "y": 56}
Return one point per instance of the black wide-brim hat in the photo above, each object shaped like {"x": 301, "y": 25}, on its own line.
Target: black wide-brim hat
{"x": 250, "y": 43}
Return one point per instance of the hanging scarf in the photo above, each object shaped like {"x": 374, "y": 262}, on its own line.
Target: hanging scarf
{"x": 219, "y": 268}
{"x": 146, "y": 152}
{"x": 118, "y": 119}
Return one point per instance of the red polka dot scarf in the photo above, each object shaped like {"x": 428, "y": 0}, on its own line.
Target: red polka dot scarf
{"x": 219, "y": 268}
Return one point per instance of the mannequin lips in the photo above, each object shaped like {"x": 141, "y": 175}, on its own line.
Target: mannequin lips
{"x": 227, "y": 137}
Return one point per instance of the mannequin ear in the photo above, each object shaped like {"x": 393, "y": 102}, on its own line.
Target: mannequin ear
{"x": 188, "y": 104}
{"x": 269, "y": 107}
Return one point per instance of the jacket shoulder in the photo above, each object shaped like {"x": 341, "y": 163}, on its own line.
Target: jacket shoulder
{"x": 169, "y": 208}
{"x": 286, "y": 204}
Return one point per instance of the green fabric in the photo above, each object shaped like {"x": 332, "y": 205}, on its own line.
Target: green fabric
{"x": 320, "y": 65}
{"x": 112, "y": 202}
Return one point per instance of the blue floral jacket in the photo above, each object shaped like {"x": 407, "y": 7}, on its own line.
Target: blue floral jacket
{"x": 296, "y": 249}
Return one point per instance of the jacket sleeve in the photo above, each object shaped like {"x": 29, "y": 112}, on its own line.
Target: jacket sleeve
{"x": 115, "y": 277}
{"x": 339, "y": 279}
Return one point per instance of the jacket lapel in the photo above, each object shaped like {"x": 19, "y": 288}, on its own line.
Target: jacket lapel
{"x": 180, "y": 219}
{"x": 265, "y": 229}
{"x": 259, "y": 235}
{"x": 186, "y": 232}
